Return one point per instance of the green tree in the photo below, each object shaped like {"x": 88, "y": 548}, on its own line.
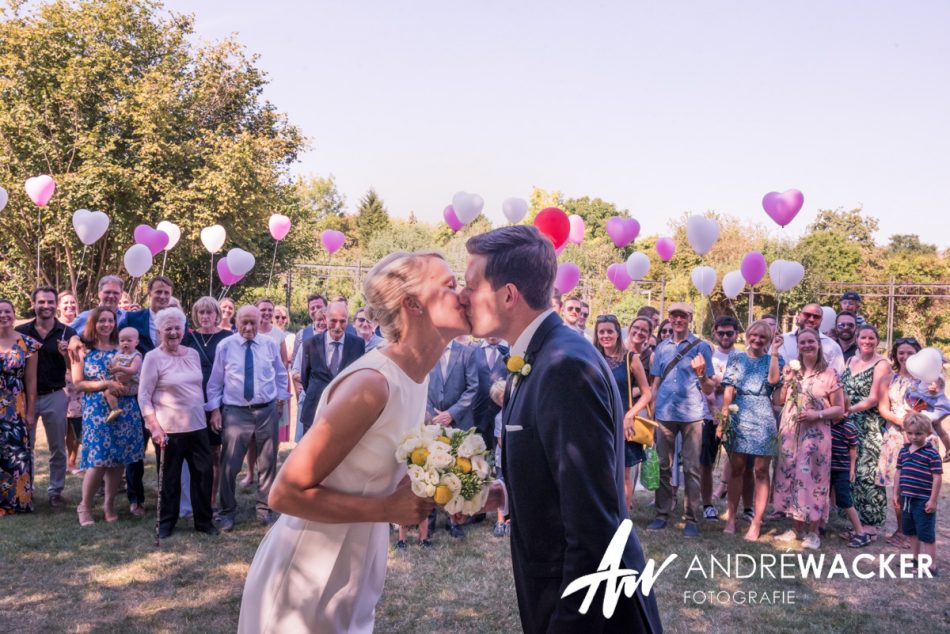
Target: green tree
{"x": 541, "y": 199}
{"x": 371, "y": 217}
{"x": 853, "y": 224}
{"x": 910, "y": 243}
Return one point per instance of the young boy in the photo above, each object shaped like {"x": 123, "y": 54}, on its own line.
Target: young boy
{"x": 497, "y": 395}
{"x": 125, "y": 367}
{"x": 918, "y": 481}
{"x": 844, "y": 459}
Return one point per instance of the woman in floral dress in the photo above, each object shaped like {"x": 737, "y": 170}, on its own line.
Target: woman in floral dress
{"x": 18, "y": 363}
{"x": 812, "y": 398}
{"x": 862, "y": 381}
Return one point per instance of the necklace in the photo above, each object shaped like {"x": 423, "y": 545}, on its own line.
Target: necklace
{"x": 205, "y": 342}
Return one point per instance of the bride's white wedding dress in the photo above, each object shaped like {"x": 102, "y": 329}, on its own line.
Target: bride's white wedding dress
{"x": 315, "y": 577}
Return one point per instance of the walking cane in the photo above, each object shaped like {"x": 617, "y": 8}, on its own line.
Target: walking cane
{"x": 161, "y": 478}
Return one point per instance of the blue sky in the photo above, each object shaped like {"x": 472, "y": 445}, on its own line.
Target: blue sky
{"x": 660, "y": 107}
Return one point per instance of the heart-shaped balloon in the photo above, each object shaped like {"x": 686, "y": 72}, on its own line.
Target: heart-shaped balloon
{"x": 154, "y": 239}
{"x": 638, "y": 264}
{"x": 40, "y": 189}
{"x": 622, "y": 231}
{"x": 701, "y": 233}
{"x": 828, "y": 318}
{"x": 90, "y": 225}
{"x": 213, "y": 238}
{"x": 225, "y": 275}
{"x": 782, "y": 208}
{"x": 171, "y": 230}
{"x": 240, "y": 261}
{"x": 704, "y": 279}
{"x": 553, "y": 223}
{"x": 568, "y": 275}
{"x": 137, "y": 260}
{"x": 279, "y": 226}
{"x": 467, "y": 206}
{"x": 3, "y": 198}
{"x": 576, "y": 235}
{"x": 332, "y": 240}
{"x": 785, "y": 274}
{"x": 618, "y": 276}
{"x": 451, "y": 219}
{"x": 753, "y": 267}
{"x": 665, "y": 248}
{"x": 732, "y": 284}
{"x": 514, "y": 209}
{"x": 926, "y": 365}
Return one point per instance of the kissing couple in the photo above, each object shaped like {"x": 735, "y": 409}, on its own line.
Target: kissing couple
{"x": 322, "y": 565}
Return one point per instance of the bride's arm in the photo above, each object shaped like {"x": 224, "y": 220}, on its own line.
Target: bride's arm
{"x": 356, "y": 404}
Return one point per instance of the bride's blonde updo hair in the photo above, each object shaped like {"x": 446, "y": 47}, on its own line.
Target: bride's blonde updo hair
{"x": 395, "y": 277}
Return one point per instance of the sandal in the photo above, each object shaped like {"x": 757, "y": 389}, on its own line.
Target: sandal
{"x": 85, "y": 516}
{"x": 898, "y": 540}
{"x": 859, "y": 541}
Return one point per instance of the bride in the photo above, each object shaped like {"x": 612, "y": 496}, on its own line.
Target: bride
{"x": 322, "y": 565}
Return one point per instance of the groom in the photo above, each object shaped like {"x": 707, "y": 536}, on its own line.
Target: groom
{"x": 563, "y": 442}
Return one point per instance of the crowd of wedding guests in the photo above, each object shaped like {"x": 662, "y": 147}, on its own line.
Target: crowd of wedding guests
{"x": 805, "y": 421}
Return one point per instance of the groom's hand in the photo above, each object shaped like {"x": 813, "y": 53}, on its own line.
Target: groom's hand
{"x": 405, "y": 508}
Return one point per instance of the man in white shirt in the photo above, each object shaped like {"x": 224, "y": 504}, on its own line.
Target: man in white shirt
{"x": 810, "y": 316}
{"x": 571, "y": 313}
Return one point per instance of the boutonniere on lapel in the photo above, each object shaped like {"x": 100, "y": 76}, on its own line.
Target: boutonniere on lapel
{"x": 518, "y": 366}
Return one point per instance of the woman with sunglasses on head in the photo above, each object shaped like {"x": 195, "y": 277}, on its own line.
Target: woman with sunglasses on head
{"x": 628, "y": 370}
{"x": 893, "y": 409}
{"x": 665, "y": 331}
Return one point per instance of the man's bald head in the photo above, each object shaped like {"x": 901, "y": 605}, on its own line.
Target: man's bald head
{"x": 247, "y": 321}
{"x": 337, "y": 318}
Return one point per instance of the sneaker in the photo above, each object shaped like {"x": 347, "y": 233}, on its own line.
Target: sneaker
{"x": 401, "y": 545}
{"x": 426, "y": 544}
{"x": 748, "y": 515}
{"x": 656, "y": 525}
{"x": 499, "y": 530}
{"x": 710, "y": 512}
{"x": 787, "y": 536}
{"x": 507, "y": 528}
{"x": 812, "y": 541}
{"x": 691, "y": 530}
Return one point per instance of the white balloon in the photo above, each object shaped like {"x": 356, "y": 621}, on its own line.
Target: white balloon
{"x": 90, "y": 225}
{"x": 732, "y": 284}
{"x": 785, "y": 274}
{"x": 702, "y": 233}
{"x": 514, "y": 209}
{"x": 828, "y": 317}
{"x": 137, "y": 260}
{"x": 467, "y": 206}
{"x": 704, "y": 279}
{"x": 240, "y": 261}
{"x": 213, "y": 238}
{"x": 478, "y": 203}
{"x": 638, "y": 264}
{"x": 3, "y": 198}
{"x": 171, "y": 230}
{"x": 926, "y": 365}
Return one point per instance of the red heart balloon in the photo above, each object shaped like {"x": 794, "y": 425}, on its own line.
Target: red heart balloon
{"x": 555, "y": 224}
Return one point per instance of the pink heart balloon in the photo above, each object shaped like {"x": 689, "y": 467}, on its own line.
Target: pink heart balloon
{"x": 154, "y": 239}
{"x": 225, "y": 275}
{"x": 782, "y": 208}
{"x": 40, "y": 189}
{"x": 451, "y": 219}
{"x": 567, "y": 277}
{"x": 622, "y": 231}
{"x": 332, "y": 240}
{"x": 665, "y": 248}
{"x": 576, "y": 236}
{"x": 618, "y": 276}
{"x": 279, "y": 226}
{"x": 753, "y": 267}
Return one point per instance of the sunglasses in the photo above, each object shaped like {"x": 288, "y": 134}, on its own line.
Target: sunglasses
{"x": 280, "y": 317}
{"x": 725, "y": 333}
{"x": 360, "y": 320}
{"x": 585, "y": 314}
{"x": 815, "y": 316}
{"x": 610, "y": 318}
{"x": 845, "y": 326}
{"x": 572, "y": 309}
{"x": 909, "y": 340}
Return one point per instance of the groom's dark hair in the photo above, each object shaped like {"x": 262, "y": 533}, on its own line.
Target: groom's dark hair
{"x": 518, "y": 255}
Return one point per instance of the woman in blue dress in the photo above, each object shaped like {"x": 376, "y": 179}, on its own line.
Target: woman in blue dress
{"x": 750, "y": 381}
{"x": 107, "y": 447}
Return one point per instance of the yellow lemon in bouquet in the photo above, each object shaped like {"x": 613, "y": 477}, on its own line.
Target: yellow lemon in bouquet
{"x": 445, "y": 439}
{"x": 464, "y": 464}
{"x": 419, "y": 456}
{"x": 443, "y": 495}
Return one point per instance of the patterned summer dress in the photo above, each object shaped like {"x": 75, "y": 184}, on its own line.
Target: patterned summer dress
{"x": 893, "y": 438}
{"x": 16, "y": 455}
{"x": 105, "y": 444}
{"x": 752, "y": 429}
{"x": 870, "y": 498}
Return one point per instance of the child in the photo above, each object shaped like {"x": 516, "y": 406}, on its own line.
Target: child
{"x": 918, "y": 479}
{"x": 124, "y": 366}
{"x": 934, "y": 404}
{"x": 497, "y": 395}
{"x": 844, "y": 459}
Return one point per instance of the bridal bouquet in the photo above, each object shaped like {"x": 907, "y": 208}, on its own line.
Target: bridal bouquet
{"x": 448, "y": 465}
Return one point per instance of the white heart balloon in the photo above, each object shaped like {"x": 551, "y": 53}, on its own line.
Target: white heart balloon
{"x": 732, "y": 284}
{"x": 137, "y": 260}
{"x": 926, "y": 365}
{"x": 240, "y": 261}
{"x": 701, "y": 233}
{"x": 828, "y": 318}
{"x": 90, "y": 225}
{"x": 638, "y": 264}
{"x": 3, "y": 198}
{"x": 514, "y": 209}
{"x": 171, "y": 230}
{"x": 785, "y": 274}
{"x": 704, "y": 279}
{"x": 213, "y": 238}
{"x": 467, "y": 206}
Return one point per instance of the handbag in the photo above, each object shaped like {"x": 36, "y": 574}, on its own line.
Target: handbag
{"x": 643, "y": 427}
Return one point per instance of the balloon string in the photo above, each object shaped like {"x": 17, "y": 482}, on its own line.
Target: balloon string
{"x": 82, "y": 259}
{"x": 211, "y": 277}
{"x": 272, "y": 263}
{"x": 164, "y": 258}
{"x": 39, "y": 238}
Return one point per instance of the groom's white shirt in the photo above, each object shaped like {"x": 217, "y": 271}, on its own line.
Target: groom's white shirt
{"x": 524, "y": 339}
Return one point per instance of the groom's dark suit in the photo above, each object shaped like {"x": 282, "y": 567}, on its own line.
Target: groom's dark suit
{"x": 564, "y": 472}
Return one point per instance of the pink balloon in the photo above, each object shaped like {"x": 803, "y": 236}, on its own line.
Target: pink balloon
{"x": 40, "y": 189}
{"x": 279, "y": 226}
{"x": 567, "y": 277}
{"x": 332, "y": 240}
{"x": 782, "y": 208}
{"x": 622, "y": 231}
{"x": 576, "y": 236}
{"x": 753, "y": 267}
{"x": 225, "y": 275}
{"x": 451, "y": 219}
{"x": 665, "y": 248}
{"x": 154, "y": 239}
{"x": 618, "y": 276}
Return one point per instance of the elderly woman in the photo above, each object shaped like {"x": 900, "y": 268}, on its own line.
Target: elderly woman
{"x": 172, "y": 402}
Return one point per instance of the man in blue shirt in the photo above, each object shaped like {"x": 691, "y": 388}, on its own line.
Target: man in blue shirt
{"x": 682, "y": 373}
{"x": 109, "y": 292}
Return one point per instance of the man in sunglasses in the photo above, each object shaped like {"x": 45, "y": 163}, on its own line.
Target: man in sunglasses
{"x": 810, "y": 316}
{"x": 571, "y": 313}
{"x": 846, "y": 325}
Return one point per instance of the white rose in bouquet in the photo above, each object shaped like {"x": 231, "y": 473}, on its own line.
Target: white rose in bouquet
{"x": 452, "y": 481}
{"x": 409, "y": 444}
{"x": 438, "y": 445}
{"x": 454, "y": 505}
{"x": 440, "y": 459}
{"x": 480, "y": 466}
{"x": 431, "y": 432}
{"x": 473, "y": 444}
